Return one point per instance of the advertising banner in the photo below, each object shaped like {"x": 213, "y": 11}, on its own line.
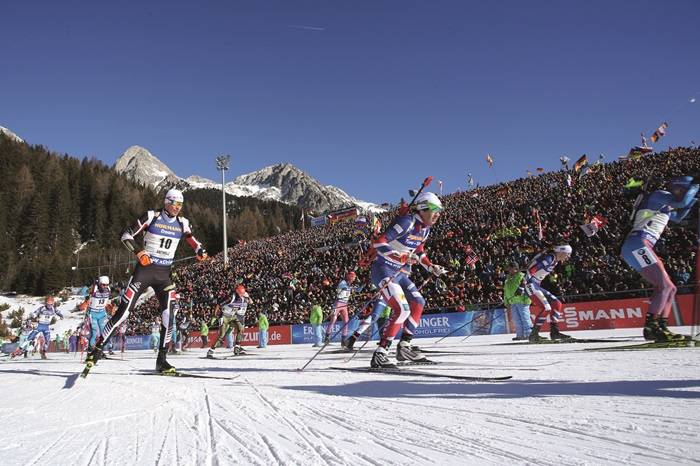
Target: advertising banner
{"x": 318, "y": 221}
{"x": 619, "y": 313}
{"x": 276, "y": 335}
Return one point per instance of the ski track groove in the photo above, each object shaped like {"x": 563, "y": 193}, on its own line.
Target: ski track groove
{"x": 211, "y": 456}
{"x": 276, "y": 410}
{"x": 357, "y": 426}
{"x": 265, "y": 441}
{"x": 165, "y": 438}
{"x": 92, "y": 456}
{"x": 46, "y": 450}
{"x": 243, "y": 449}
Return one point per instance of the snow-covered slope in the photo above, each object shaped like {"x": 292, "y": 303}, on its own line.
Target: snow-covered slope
{"x": 563, "y": 406}
{"x": 10, "y": 134}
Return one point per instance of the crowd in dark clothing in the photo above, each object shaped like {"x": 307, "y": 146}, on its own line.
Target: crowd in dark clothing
{"x": 496, "y": 225}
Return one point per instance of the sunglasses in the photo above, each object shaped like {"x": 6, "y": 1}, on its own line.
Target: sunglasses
{"x": 175, "y": 203}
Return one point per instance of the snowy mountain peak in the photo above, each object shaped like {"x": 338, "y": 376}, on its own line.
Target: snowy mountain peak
{"x": 10, "y": 134}
{"x": 281, "y": 182}
{"x": 139, "y": 164}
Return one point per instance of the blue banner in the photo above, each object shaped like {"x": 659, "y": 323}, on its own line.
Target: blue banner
{"x": 490, "y": 322}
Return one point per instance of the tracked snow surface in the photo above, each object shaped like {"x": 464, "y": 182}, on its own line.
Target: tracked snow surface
{"x": 564, "y": 405}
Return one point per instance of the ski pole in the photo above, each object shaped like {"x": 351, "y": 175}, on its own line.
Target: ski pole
{"x": 374, "y": 296}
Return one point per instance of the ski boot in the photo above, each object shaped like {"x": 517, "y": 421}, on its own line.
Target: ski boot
{"x": 350, "y": 343}
{"x": 380, "y": 359}
{"x": 406, "y": 352}
{"x": 555, "y": 334}
{"x": 650, "y": 327}
{"x": 162, "y": 366}
{"x": 43, "y": 354}
{"x": 535, "y": 336}
{"x": 326, "y": 339}
{"x": 210, "y": 354}
{"x": 239, "y": 351}
{"x": 663, "y": 334}
{"x": 343, "y": 340}
{"x": 94, "y": 354}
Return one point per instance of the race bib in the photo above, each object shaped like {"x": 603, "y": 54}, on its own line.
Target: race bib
{"x": 645, "y": 257}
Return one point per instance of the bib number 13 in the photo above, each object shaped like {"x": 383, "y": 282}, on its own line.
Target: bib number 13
{"x": 645, "y": 257}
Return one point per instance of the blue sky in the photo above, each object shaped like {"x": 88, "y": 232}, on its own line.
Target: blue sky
{"x": 370, "y": 96}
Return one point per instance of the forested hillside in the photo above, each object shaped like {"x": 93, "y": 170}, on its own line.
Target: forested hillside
{"x": 52, "y": 204}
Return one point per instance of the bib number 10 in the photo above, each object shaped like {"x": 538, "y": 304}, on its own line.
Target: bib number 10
{"x": 165, "y": 243}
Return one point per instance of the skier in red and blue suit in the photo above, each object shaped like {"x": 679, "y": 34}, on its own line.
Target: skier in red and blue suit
{"x": 651, "y": 214}
{"x": 397, "y": 249}
{"x": 537, "y": 270}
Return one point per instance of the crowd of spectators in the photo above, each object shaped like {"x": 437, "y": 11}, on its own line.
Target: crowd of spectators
{"x": 480, "y": 232}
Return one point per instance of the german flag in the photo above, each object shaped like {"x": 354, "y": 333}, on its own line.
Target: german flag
{"x": 580, "y": 163}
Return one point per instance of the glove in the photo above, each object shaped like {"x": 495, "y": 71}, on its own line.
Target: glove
{"x": 201, "y": 254}
{"x": 436, "y": 270}
{"x": 144, "y": 258}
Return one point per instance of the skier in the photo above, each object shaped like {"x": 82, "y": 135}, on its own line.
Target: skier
{"x": 27, "y": 339}
{"x": 376, "y": 311}
{"x": 539, "y": 267}
{"x": 162, "y": 232}
{"x": 43, "y": 315}
{"x": 95, "y": 303}
{"x": 232, "y": 317}
{"x": 650, "y": 216}
{"x": 403, "y": 240}
{"x": 343, "y": 292}
{"x": 155, "y": 335}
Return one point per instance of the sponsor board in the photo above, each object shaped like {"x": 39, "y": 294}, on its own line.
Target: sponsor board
{"x": 276, "y": 335}
{"x": 619, "y": 313}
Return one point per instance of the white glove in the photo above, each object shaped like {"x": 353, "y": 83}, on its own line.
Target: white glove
{"x": 437, "y": 270}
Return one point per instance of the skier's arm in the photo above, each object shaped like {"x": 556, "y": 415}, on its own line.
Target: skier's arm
{"x": 132, "y": 231}
{"x": 192, "y": 241}
{"x": 684, "y": 205}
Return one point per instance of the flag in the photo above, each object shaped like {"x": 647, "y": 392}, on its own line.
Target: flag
{"x": 470, "y": 180}
{"x": 660, "y": 132}
{"x": 632, "y": 183}
{"x": 595, "y": 225}
{"x": 580, "y": 163}
{"x": 529, "y": 173}
{"x": 440, "y": 184}
{"x": 564, "y": 161}
{"x": 489, "y": 159}
{"x": 538, "y": 223}
{"x": 569, "y": 181}
{"x": 637, "y": 151}
{"x": 470, "y": 257}
{"x": 540, "y": 169}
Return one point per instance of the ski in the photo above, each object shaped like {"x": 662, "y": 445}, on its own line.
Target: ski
{"x": 416, "y": 373}
{"x": 426, "y": 362}
{"x": 86, "y": 371}
{"x": 557, "y": 342}
{"x": 651, "y": 345}
{"x": 189, "y": 375}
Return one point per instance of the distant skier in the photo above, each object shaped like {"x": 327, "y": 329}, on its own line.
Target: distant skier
{"x": 650, "y": 216}
{"x": 95, "y": 303}
{"x": 343, "y": 292}
{"x": 232, "y": 318}
{"x": 377, "y": 312}
{"x": 43, "y": 315}
{"x": 542, "y": 300}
